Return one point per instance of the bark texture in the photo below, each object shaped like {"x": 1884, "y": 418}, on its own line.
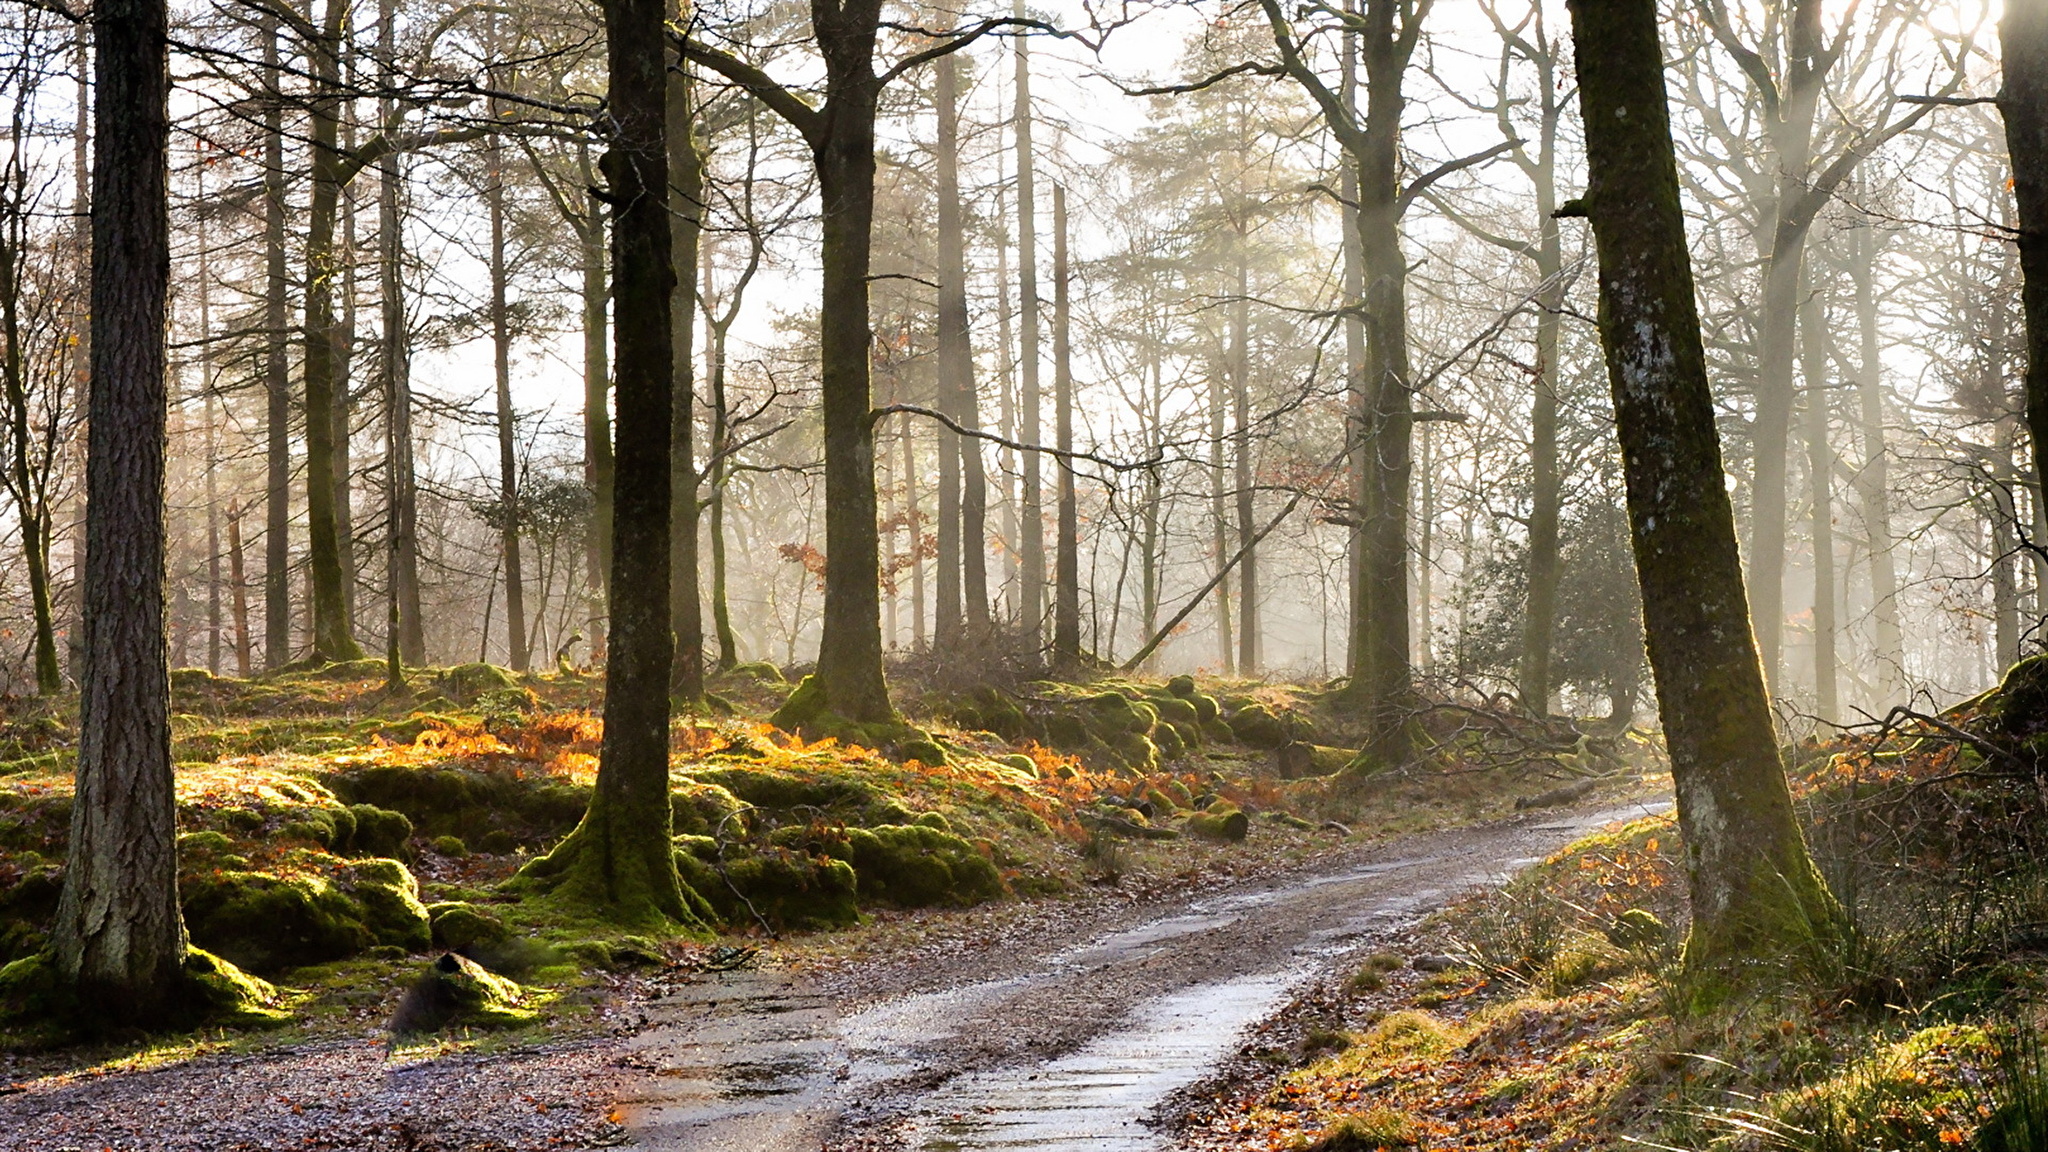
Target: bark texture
{"x": 2023, "y": 37}
{"x": 620, "y": 857}
{"x": 119, "y": 938}
{"x": 1754, "y": 888}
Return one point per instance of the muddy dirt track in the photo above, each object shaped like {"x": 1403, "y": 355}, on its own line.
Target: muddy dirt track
{"x": 1058, "y": 1036}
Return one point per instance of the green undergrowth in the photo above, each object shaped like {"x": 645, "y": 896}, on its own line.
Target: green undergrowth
{"x": 1561, "y": 1011}
{"x": 337, "y": 839}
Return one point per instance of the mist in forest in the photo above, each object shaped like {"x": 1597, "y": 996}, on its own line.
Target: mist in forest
{"x": 1117, "y": 293}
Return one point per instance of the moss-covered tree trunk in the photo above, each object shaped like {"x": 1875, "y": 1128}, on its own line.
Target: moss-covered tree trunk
{"x": 119, "y": 939}
{"x": 2023, "y": 35}
{"x": 1754, "y": 889}
{"x": 620, "y": 857}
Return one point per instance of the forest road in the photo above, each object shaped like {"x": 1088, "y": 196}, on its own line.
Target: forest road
{"x": 1068, "y": 1040}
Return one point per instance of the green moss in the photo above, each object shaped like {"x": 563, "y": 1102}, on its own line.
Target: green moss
{"x": 790, "y": 890}
{"x": 466, "y": 683}
{"x": 925, "y": 751}
{"x": 759, "y": 670}
{"x": 916, "y": 866}
{"x": 697, "y": 806}
{"x": 34, "y": 995}
{"x": 787, "y": 791}
{"x": 804, "y": 705}
{"x": 451, "y": 847}
{"x": 1255, "y": 724}
{"x": 266, "y": 922}
{"x": 1067, "y": 732}
{"x": 1168, "y": 740}
{"x": 222, "y": 992}
{"x": 453, "y": 799}
{"x": 933, "y": 820}
{"x": 458, "y": 925}
{"x": 1020, "y": 762}
{"x": 1222, "y": 821}
{"x": 1136, "y": 751}
{"x": 1182, "y": 686}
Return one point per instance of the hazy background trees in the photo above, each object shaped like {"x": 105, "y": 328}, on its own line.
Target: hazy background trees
{"x": 390, "y": 309}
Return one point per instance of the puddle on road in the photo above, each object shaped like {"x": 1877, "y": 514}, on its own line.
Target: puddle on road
{"x": 1097, "y": 1097}
{"x": 752, "y": 1061}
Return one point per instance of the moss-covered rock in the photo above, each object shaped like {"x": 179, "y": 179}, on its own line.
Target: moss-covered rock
{"x": 1182, "y": 686}
{"x": 925, "y": 751}
{"x": 1255, "y": 724}
{"x": 461, "y": 926}
{"x": 1020, "y": 762}
{"x": 456, "y": 799}
{"x": 1221, "y": 821}
{"x": 458, "y": 990}
{"x": 788, "y": 889}
{"x": 1136, "y": 751}
{"x": 467, "y": 683}
{"x": 697, "y": 807}
{"x": 788, "y": 791}
{"x": 266, "y": 922}
{"x": 760, "y": 670}
{"x": 916, "y": 866}
{"x": 212, "y": 991}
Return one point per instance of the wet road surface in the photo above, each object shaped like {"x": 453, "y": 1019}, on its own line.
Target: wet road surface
{"x": 1066, "y": 1045}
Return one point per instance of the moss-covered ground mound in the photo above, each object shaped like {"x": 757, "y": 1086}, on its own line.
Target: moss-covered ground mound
{"x": 338, "y": 839}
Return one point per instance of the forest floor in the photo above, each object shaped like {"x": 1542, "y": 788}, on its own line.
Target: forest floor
{"x": 336, "y": 838}
{"x": 1559, "y": 1013}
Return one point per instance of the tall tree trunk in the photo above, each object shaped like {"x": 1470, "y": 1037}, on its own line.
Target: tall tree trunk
{"x": 32, "y": 508}
{"x": 211, "y": 404}
{"x": 1791, "y": 134}
{"x": 405, "y": 630}
{"x": 513, "y": 562}
{"x": 2023, "y": 36}
{"x": 1241, "y": 453}
{"x": 1066, "y": 629}
{"x": 344, "y": 386}
{"x": 620, "y": 857}
{"x": 686, "y": 200}
{"x": 1358, "y": 401}
{"x": 239, "y": 587}
{"x": 118, "y": 937}
{"x": 1390, "y": 431}
{"x": 1873, "y": 480}
{"x": 955, "y": 357}
{"x": 1754, "y": 889}
{"x": 1151, "y": 512}
{"x": 277, "y": 504}
{"x": 1032, "y": 511}
{"x": 1006, "y": 413}
{"x": 1219, "y": 515}
{"x": 1546, "y": 485}
{"x": 80, "y": 319}
{"x": 1820, "y": 475}
{"x": 597, "y": 418}
{"x": 331, "y": 634}
{"x": 721, "y": 435}
{"x": 913, "y": 521}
